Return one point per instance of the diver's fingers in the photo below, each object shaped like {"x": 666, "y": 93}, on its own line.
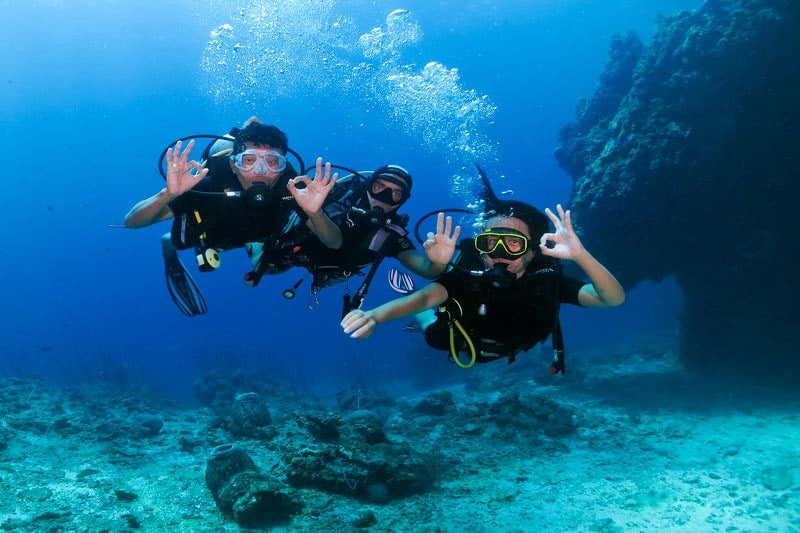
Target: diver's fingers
{"x": 364, "y": 331}
{"x": 300, "y": 179}
{"x": 547, "y": 237}
{"x": 552, "y": 216}
{"x": 351, "y": 318}
{"x": 201, "y": 170}
{"x": 456, "y": 233}
{"x": 448, "y": 225}
{"x": 188, "y": 150}
{"x": 359, "y": 324}
{"x": 174, "y": 154}
{"x": 567, "y": 219}
{"x": 439, "y": 223}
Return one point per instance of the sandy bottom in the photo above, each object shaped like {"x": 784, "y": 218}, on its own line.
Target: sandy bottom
{"x": 652, "y": 450}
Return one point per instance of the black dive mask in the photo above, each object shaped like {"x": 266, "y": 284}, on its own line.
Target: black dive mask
{"x": 386, "y": 197}
{"x": 258, "y": 194}
{"x": 499, "y": 276}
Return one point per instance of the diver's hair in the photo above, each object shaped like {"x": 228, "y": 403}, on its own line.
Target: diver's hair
{"x": 260, "y": 134}
{"x": 538, "y": 223}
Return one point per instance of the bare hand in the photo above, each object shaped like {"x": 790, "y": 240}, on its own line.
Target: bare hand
{"x": 567, "y": 244}
{"x": 312, "y": 197}
{"x": 439, "y": 247}
{"x": 180, "y": 177}
{"x": 359, "y": 324}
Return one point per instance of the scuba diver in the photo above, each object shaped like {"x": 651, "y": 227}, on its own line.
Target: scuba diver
{"x": 243, "y": 191}
{"x": 364, "y": 206}
{"x": 503, "y": 292}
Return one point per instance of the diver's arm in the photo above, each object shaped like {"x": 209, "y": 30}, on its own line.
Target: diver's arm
{"x": 324, "y": 228}
{"x": 420, "y": 265}
{"x": 604, "y": 289}
{"x": 311, "y": 198}
{"x": 439, "y": 249}
{"x": 150, "y": 210}
{"x": 182, "y": 175}
{"x": 361, "y": 324}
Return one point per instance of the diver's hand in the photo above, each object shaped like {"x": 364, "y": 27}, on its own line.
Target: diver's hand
{"x": 567, "y": 245}
{"x": 440, "y": 247}
{"x": 359, "y": 324}
{"x": 179, "y": 169}
{"x": 312, "y": 197}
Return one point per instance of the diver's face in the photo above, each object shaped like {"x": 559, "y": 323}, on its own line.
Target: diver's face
{"x": 264, "y": 173}
{"x": 517, "y": 265}
{"x": 380, "y": 187}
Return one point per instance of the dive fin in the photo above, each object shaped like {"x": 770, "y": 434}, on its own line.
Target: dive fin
{"x": 490, "y": 198}
{"x": 182, "y": 288}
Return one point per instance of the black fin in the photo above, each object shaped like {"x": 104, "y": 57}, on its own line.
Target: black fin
{"x": 491, "y": 201}
{"x": 182, "y": 288}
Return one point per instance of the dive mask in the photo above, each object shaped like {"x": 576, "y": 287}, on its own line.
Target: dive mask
{"x": 502, "y": 243}
{"x": 259, "y": 161}
{"x": 386, "y": 194}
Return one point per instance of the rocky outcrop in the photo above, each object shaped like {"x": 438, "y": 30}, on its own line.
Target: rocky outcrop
{"x": 685, "y": 164}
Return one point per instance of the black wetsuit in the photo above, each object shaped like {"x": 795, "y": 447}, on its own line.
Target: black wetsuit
{"x": 502, "y": 321}
{"x": 228, "y": 222}
{"x": 365, "y": 238}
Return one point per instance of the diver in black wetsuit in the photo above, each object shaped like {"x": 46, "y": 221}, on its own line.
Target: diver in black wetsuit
{"x": 244, "y": 192}
{"x": 365, "y": 208}
{"x": 502, "y": 297}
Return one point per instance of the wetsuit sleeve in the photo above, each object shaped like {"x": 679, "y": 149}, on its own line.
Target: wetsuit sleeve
{"x": 568, "y": 292}
{"x": 401, "y": 244}
{"x": 451, "y": 281}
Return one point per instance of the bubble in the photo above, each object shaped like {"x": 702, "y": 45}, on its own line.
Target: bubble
{"x": 276, "y": 50}
{"x": 304, "y": 51}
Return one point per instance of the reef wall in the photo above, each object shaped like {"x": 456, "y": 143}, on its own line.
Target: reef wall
{"x": 686, "y": 162}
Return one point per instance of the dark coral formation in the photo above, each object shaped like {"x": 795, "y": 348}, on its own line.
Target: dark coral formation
{"x": 244, "y": 493}
{"x": 685, "y": 163}
{"x": 353, "y": 456}
{"x": 249, "y": 416}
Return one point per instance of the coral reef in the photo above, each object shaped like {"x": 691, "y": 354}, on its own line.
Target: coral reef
{"x": 242, "y": 492}
{"x": 352, "y": 456}
{"x": 638, "y": 445}
{"x": 249, "y": 416}
{"x": 684, "y": 164}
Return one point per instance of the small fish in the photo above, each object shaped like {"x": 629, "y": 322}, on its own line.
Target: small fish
{"x": 400, "y": 282}
{"x": 412, "y": 327}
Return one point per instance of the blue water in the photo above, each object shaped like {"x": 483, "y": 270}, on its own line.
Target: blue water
{"x": 92, "y": 91}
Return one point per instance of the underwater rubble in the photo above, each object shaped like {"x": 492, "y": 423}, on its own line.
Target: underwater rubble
{"x": 639, "y": 446}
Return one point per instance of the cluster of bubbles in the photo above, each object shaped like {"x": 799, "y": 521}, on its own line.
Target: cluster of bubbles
{"x": 275, "y": 50}
{"x": 302, "y": 50}
{"x": 431, "y": 104}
